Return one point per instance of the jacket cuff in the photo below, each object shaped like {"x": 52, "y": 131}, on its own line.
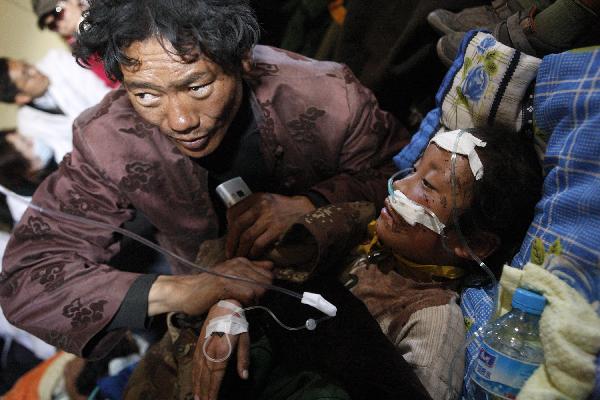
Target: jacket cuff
{"x": 133, "y": 312}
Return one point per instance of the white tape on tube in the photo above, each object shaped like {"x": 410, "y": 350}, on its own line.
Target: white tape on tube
{"x": 317, "y": 301}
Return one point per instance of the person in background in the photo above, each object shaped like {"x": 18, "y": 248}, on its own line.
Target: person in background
{"x": 24, "y": 163}
{"x": 535, "y": 27}
{"x": 50, "y": 95}
{"x": 63, "y": 17}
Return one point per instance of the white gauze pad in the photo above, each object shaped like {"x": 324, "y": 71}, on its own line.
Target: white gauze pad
{"x": 466, "y": 147}
{"x": 414, "y": 213}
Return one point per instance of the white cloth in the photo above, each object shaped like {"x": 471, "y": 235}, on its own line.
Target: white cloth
{"x": 17, "y": 208}
{"x": 73, "y": 89}
{"x": 9, "y": 333}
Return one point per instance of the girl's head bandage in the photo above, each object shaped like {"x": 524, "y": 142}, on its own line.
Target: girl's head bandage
{"x": 414, "y": 213}
{"x": 466, "y": 146}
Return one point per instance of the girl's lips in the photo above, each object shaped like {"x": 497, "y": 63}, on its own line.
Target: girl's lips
{"x": 385, "y": 215}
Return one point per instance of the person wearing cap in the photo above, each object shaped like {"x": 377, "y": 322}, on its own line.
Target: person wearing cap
{"x": 61, "y": 16}
{"x": 64, "y": 17}
{"x": 200, "y": 103}
{"x": 50, "y": 95}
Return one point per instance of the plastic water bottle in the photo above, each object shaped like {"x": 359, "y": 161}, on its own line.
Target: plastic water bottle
{"x": 511, "y": 350}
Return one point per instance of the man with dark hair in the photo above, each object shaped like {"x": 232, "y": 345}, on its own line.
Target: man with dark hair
{"x": 50, "y": 96}
{"x": 200, "y": 103}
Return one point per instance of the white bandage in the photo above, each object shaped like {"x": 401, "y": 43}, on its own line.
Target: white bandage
{"x": 466, "y": 147}
{"x": 414, "y": 213}
{"x": 231, "y": 324}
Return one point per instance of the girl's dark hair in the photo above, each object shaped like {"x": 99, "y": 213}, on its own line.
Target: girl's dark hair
{"x": 15, "y": 170}
{"x": 8, "y": 90}
{"x": 222, "y": 30}
{"x": 505, "y": 197}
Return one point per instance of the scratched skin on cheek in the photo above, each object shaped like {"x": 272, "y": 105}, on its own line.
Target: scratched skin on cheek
{"x": 444, "y": 202}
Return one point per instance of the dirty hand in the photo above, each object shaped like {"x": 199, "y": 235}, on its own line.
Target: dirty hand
{"x": 207, "y": 375}
{"x": 259, "y": 220}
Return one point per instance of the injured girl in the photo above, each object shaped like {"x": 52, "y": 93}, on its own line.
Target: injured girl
{"x": 432, "y": 227}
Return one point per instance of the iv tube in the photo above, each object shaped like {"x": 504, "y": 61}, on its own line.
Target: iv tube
{"x": 134, "y": 236}
{"x": 478, "y": 260}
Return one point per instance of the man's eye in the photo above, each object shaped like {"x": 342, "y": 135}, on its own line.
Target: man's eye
{"x": 200, "y": 90}
{"x": 145, "y": 96}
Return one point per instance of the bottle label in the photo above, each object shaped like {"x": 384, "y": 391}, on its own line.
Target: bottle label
{"x": 500, "y": 374}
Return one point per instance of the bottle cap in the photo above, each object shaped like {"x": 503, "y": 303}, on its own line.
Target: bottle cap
{"x": 528, "y": 301}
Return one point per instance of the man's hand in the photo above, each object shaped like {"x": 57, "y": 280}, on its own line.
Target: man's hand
{"x": 259, "y": 220}
{"x": 194, "y": 294}
{"x": 207, "y": 375}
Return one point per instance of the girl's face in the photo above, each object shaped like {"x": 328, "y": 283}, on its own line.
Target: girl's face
{"x": 430, "y": 186}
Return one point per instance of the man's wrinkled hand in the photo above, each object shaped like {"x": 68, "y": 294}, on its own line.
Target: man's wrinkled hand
{"x": 207, "y": 375}
{"x": 259, "y": 220}
{"x": 195, "y": 294}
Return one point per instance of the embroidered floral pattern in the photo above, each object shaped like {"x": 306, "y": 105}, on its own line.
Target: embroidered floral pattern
{"x": 260, "y": 70}
{"x": 34, "y": 229}
{"x": 141, "y": 129}
{"x": 51, "y": 276}
{"x": 61, "y": 341}
{"x": 349, "y": 77}
{"x": 8, "y": 286}
{"x": 304, "y": 127}
{"x": 77, "y": 204}
{"x": 81, "y": 315}
{"x": 105, "y": 104}
{"x": 140, "y": 176}
{"x": 267, "y": 123}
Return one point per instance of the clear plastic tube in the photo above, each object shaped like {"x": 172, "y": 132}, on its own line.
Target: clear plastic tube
{"x": 310, "y": 324}
{"x": 134, "y": 236}
{"x": 482, "y": 265}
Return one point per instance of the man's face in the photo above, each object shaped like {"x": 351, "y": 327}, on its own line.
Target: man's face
{"x": 30, "y": 82}
{"x": 193, "y": 104}
{"x": 430, "y": 186}
{"x": 65, "y": 19}
{"x": 24, "y": 146}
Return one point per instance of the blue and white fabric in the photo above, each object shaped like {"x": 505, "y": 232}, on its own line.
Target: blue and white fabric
{"x": 567, "y": 109}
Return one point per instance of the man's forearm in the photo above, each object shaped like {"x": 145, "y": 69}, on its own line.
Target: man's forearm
{"x": 160, "y": 297}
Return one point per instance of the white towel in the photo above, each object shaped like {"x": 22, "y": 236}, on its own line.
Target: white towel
{"x": 569, "y": 331}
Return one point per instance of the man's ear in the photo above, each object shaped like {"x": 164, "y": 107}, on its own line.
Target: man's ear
{"x": 247, "y": 64}
{"x": 22, "y": 99}
{"x": 482, "y": 243}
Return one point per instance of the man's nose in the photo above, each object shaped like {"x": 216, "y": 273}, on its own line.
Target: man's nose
{"x": 181, "y": 116}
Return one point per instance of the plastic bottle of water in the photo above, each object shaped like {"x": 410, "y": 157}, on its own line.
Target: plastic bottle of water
{"x": 510, "y": 351}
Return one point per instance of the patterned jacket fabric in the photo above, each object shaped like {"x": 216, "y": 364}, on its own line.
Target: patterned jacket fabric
{"x": 320, "y": 129}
